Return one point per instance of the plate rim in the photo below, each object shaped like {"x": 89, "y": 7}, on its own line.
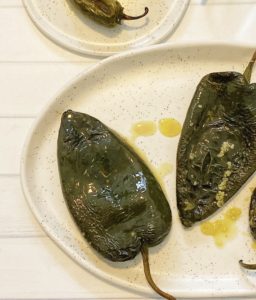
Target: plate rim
{"x": 142, "y": 290}
{"x": 53, "y": 36}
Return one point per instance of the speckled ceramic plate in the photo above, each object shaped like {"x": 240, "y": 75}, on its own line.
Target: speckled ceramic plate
{"x": 65, "y": 24}
{"x": 147, "y": 84}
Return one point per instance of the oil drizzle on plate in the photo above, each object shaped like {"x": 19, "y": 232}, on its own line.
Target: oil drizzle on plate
{"x": 169, "y": 127}
{"x": 224, "y": 229}
{"x": 165, "y": 169}
{"x": 143, "y": 128}
{"x": 254, "y": 245}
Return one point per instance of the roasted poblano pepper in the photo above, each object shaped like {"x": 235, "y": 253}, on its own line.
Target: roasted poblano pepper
{"x": 106, "y": 12}
{"x": 252, "y": 224}
{"x": 252, "y": 214}
{"x": 113, "y": 197}
{"x": 217, "y": 148}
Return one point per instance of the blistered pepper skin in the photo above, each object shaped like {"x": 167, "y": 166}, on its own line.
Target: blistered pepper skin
{"x": 106, "y": 12}
{"x": 217, "y": 149}
{"x": 252, "y": 214}
{"x": 113, "y": 197}
{"x": 252, "y": 225}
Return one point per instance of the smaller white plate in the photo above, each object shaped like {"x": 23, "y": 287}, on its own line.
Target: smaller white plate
{"x": 64, "y": 23}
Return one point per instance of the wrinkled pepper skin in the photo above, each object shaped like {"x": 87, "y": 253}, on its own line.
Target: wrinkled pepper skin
{"x": 112, "y": 195}
{"x": 252, "y": 224}
{"x": 252, "y": 214}
{"x": 217, "y": 148}
{"x": 106, "y": 12}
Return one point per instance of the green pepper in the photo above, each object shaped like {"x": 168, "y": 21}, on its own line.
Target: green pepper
{"x": 252, "y": 214}
{"x": 252, "y": 224}
{"x": 217, "y": 148}
{"x": 106, "y": 12}
{"x": 113, "y": 197}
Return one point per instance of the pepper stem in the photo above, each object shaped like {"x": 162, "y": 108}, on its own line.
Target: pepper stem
{"x": 126, "y": 17}
{"x": 248, "y": 71}
{"x": 144, "y": 253}
{"x": 247, "y": 266}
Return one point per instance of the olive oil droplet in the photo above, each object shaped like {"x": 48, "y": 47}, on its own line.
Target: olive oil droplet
{"x": 165, "y": 169}
{"x": 143, "y": 128}
{"x": 254, "y": 245}
{"x": 224, "y": 229}
{"x": 169, "y": 127}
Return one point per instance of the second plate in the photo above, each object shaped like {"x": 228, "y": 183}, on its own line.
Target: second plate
{"x": 65, "y": 24}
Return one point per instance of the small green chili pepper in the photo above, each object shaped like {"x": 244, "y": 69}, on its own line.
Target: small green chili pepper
{"x": 113, "y": 197}
{"x": 106, "y": 12}
{"x": 217, "y": 148}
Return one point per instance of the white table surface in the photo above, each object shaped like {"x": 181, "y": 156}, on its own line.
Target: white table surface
{"x": 32, "y": 69}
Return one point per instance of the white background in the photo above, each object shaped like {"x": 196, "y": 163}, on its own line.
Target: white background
{"x": 32, "y": 70}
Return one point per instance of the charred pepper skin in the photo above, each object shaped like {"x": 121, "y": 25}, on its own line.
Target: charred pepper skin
{"x": 106, "y": 12}
{"x": 252, "y": 214}
{"x": 112, "y": 195}
{"x": 217, "y": 149}
{"x": 252, "y": 224}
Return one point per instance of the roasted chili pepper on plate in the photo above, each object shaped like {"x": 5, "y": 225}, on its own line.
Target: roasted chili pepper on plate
{"x": 252, "y": 214}
{"x": 113, "y": 197}
{"x": 217, "y": 148}
{"x": 106, "y": 12}
{"x": 252, "y": 224}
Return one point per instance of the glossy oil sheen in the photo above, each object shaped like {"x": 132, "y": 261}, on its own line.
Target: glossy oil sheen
{"x": 224, "y": 229}
{"x": 165, "y": 169}
{"x": 217, "y": 149}
{"x": 169, "y": 127}
{"x": 113, "y": 197}
{"x": 143, "y": 128}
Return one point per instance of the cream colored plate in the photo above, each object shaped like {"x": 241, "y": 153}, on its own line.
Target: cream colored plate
{"x": 146, "y": 84}
{"x": 65, "y": 24}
